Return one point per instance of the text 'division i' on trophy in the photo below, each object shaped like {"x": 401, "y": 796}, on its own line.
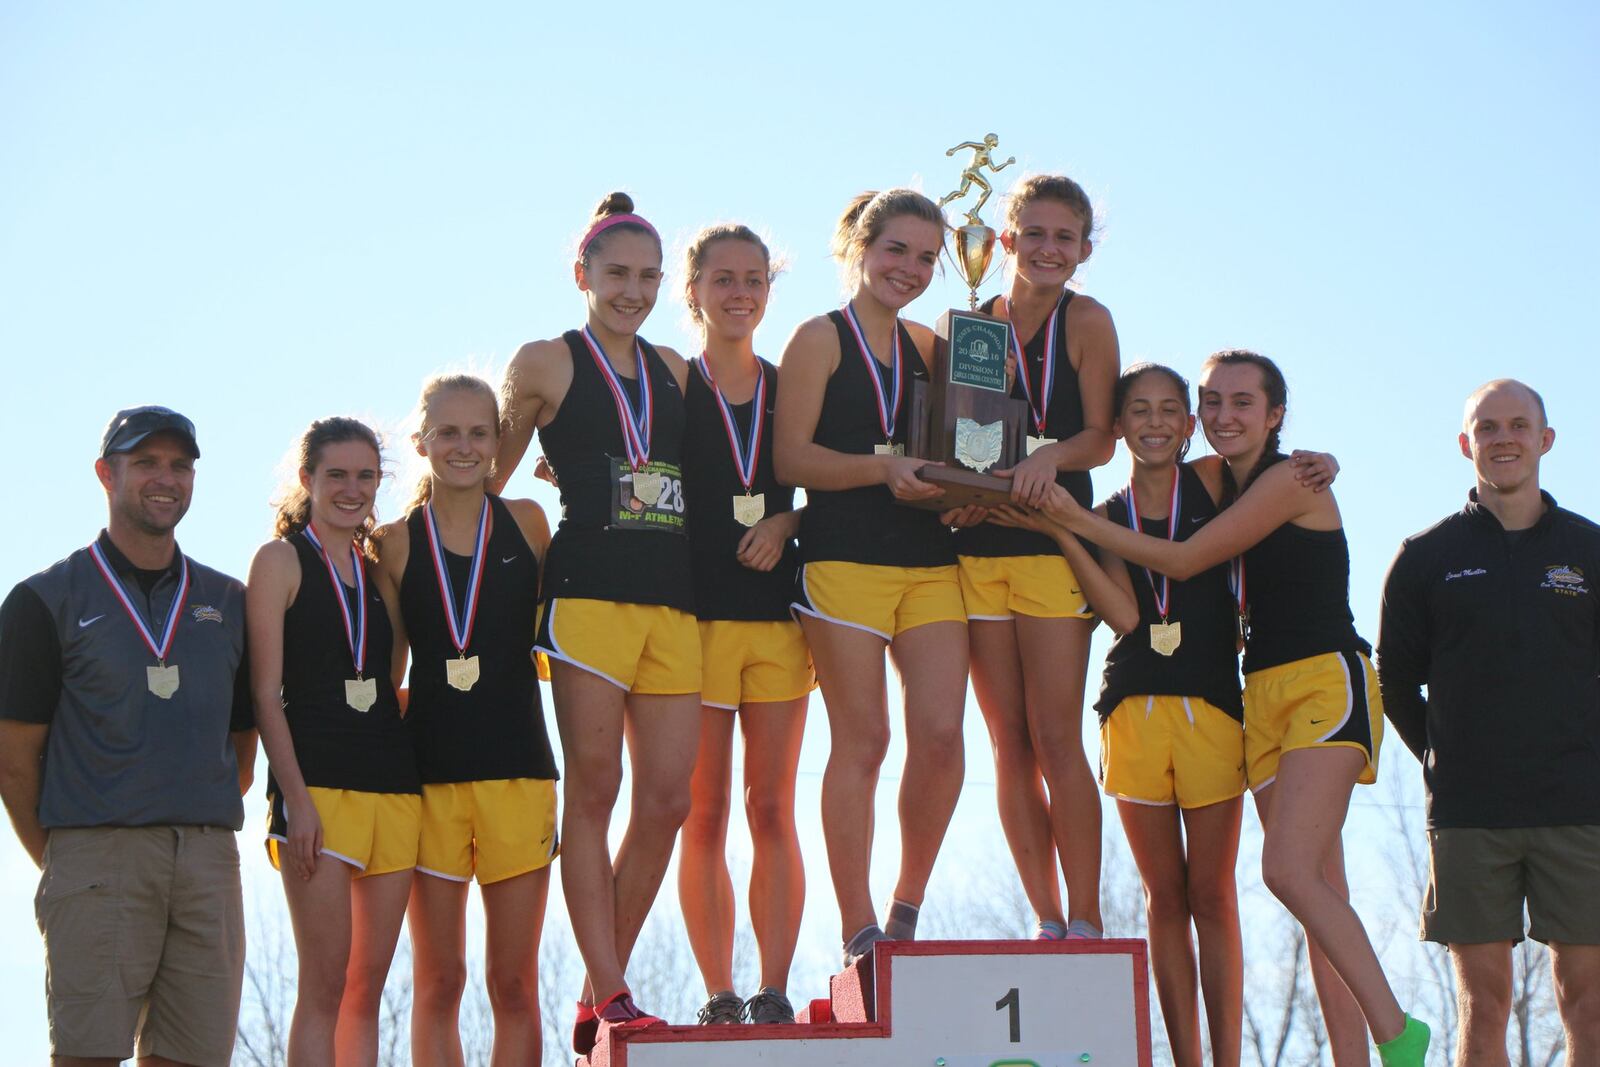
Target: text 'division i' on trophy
{"x": 964, "y": 416}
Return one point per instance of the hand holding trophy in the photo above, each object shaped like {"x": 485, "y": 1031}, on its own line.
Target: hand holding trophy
{"x": 965, "y": 416}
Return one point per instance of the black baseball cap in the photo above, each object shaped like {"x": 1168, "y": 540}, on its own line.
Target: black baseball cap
{"x": 130, "y": 426}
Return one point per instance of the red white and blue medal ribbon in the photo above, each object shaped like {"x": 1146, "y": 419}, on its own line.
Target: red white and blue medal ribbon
{"x": 745, "y": 457}
{"x": 1162, "y": 589}
{"x": 159, "y": 648}
{"x": 355, "y": 626}
{"x": 636, "y": 425}
{"x": 888, "y": 405}
{"x": 460, "y": 626}
{"x": 1047, "y": 376}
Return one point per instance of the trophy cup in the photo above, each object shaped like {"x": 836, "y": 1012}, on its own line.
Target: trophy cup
{"x": 964, "y": 416}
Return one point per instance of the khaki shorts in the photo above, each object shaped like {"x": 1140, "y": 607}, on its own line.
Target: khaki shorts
{"x": 1478, "y": 880}
{"x": 144, "y": 942}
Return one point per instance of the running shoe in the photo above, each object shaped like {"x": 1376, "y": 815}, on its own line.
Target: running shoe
{"x": 721, "y": 1010}
{"x": 769, "y": 1006}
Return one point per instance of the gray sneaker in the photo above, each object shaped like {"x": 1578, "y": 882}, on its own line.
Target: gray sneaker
{"x": 721, "y": 1010}
{"x": 769, "y": 1006}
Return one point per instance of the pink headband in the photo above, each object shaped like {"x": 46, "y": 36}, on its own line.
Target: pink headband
{"x": 614, "y": 220}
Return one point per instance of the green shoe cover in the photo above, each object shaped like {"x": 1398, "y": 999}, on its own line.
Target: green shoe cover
{"x": 1409, "y": 1049}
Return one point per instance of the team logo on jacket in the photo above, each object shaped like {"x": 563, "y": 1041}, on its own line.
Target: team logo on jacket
{"x": 1564, "y": 579}
{"x": 205, "y": 613}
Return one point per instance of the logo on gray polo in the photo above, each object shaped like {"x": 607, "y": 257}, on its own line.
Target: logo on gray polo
{"x": 84, "y": 624}
{"x": 205, "y": 613}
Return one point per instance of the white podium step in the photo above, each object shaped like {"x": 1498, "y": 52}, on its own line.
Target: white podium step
{"x": 938, "y": 1004}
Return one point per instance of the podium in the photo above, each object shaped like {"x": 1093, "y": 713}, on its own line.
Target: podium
{"x": 939, "y": 1003}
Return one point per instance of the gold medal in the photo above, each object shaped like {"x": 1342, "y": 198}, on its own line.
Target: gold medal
{"x": 361, "y": 693}
{"x": 162, "y": 681}
{"x": 1165, "y": 637}
{"x": 750, "y": 508}
{"x": 461, "y": 673}
{"x": 888, "y": 450}
{"x": 647, "y": 487}
{"x": 1036, "y": 443}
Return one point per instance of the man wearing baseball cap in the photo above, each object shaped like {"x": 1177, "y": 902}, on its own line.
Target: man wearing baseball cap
{"x": 126, "y": 741}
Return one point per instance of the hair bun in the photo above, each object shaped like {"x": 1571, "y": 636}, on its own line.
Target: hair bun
{"x": 614, "y": 204}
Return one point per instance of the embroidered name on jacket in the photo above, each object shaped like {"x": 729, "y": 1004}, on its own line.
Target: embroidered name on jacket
{"x": 1470, "y": 572}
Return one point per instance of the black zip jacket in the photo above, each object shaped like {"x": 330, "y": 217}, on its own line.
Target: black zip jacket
{"x": 1504, "y": 630}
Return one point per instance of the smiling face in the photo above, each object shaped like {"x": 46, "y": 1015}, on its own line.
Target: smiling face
{"x": 621, "y": 277}
{"x": 731, "y": 290}
{"x": 1235, "y": 410}
{"x": 1155, "y": 420}
{"x": 1505, "y": 436}
{"x": 1048, "y": 242}
{"x": 460, "y": 431}
{"x": 149, "y": 487}
{"x": 342, "y": 487}
{"x": 898, "y": 266}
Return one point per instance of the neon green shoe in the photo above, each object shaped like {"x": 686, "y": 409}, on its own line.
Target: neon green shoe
{"x": 1409, "y": 1048}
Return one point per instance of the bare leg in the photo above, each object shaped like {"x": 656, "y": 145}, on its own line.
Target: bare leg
{"x": 705, "y": 889}
{"x": 850, "y": 668}
{"x": 772, "y": 736}
{"x": 1213, "y": 852}
{"x": 1577, "y": 978}
{"x": 589, "y": 714}
{"x": 319, "y": 910}
{"x": 1155, "y": 838}
{"x": 932, "y": 663}
{"x": 513, "y": 912}
{"x": 663, "y": 736}
{"x": 1483, "y": 1001}
{"x": 1055, "y": 657}
{"x": 1019, "y": 788}
{"x": 378, "y": 905}
{"x": 437, "y": 918}
{"x": 1302, "y": 863}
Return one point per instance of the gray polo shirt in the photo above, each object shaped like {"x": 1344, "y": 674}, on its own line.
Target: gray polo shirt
{"x": 117, "y": 754}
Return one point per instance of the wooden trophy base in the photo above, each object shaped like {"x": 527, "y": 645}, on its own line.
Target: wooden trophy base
{"x": 962, "y": 488}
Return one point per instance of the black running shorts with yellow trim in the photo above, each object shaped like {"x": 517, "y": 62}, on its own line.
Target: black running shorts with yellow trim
{"x": 649, "y": 649}
{"x": 996, "y": 588}
{"x": 494, "y": 830}
{"x": 882, "y": 600}
{"x": 1326, "y": 701}
{"x": 376, "y": 833}
{"x": 1165, "y": 750}
{"x": 746, "y": 662}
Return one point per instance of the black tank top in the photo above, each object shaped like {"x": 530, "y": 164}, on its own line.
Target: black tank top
{"x": 865, "y": 525}
{"x": 1297, "y": 591}
{"x": 593, "y": 555}
{"x": 1063, "y": 419}
{"x": 724, "y": 588}
{"x": 1206, "y": 664}
{"x": 336, "y": 746}
{"x": 496, "y": 729}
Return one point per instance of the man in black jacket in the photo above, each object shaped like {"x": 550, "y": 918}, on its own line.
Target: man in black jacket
{"x": 1496, "y": 610}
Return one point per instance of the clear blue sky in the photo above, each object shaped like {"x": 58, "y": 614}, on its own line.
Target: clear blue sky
{"x": 265, "y": 214}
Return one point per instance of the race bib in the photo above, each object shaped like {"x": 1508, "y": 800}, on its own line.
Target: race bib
{"x": 656, "y": 503}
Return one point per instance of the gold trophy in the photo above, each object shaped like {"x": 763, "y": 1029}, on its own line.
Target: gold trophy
{"x": 965, "y": 416}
